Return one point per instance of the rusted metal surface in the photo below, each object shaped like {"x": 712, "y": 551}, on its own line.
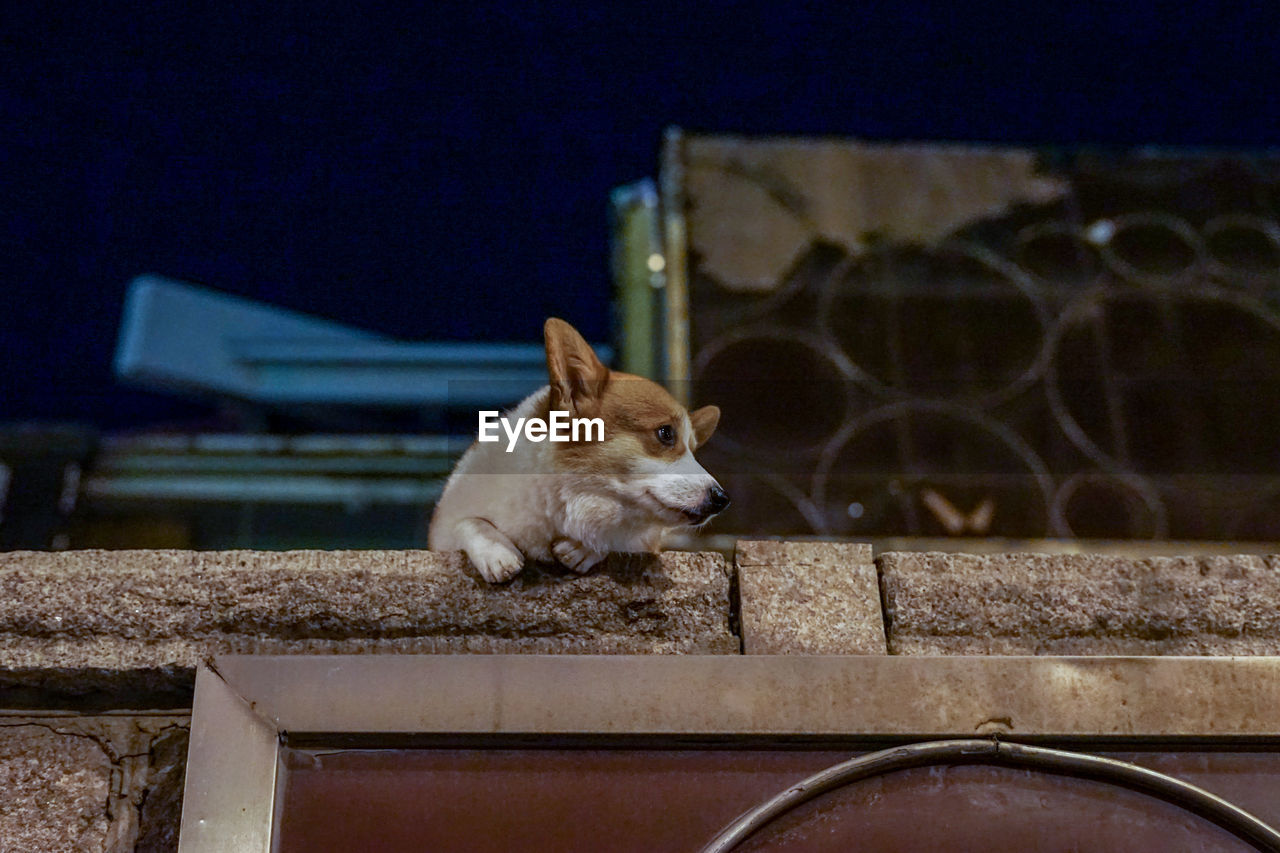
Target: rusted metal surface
{"x": 574, "y": 800}
{"x": 593, "y": 800}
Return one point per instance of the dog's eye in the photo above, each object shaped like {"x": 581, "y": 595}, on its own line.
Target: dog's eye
{"x": 666, "y": 434}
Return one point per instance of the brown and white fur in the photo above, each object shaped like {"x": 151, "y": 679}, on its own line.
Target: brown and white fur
{"x": 575, "y": 502}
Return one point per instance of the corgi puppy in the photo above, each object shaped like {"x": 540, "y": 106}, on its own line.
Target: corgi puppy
{"x": 575, "y": 500}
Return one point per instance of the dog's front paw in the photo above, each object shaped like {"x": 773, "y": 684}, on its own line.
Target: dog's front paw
{"x": 576, "y": 556}
{"x": 496, "y": 562}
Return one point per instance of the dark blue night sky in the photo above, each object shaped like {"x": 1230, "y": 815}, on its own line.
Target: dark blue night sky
{"x": 443, "y": 172}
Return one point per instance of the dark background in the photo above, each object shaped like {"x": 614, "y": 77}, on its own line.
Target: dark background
{"x": 443, "y": 172}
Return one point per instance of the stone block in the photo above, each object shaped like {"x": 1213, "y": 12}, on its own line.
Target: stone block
{"x": 1081, "y": 604}
{"x": 87, "y": 624}
{"x": 815, "y": 598}
{"x": 57, "y": 790}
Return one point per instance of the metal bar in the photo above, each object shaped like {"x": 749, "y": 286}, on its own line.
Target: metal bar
{"x": 300, "y": 489}
{"x": 244, "y": 444}
{"x": 356, "y": 354}
{"x": 639, "y": 271}
{"x": 1117, "y": 697}
{"x": 393, "y": 372}
{"x": 676, "y": 241}
{"x": 351, "y": 466}
{"x": 232, "y": 766}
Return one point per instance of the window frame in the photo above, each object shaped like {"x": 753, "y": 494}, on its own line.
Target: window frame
{"x": 249, "y": 709}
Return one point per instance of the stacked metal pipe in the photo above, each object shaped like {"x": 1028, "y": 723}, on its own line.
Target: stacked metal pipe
{"x": 1041, "y": 373}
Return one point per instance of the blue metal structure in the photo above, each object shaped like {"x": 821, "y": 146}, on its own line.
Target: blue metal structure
{"x": 182, "y": 338}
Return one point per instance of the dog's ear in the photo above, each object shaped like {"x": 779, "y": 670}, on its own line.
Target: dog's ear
{"x": 704, "y": 422}
{"x": 577, "y": 376}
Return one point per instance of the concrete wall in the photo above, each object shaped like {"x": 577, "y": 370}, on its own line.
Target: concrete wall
{"x": 98, "y": 648}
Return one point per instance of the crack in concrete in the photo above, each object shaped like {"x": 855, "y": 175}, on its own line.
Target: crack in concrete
{"x": 110, "y": 753}
{"x": 886, "y": 610}
{"x": 130, "y": 773}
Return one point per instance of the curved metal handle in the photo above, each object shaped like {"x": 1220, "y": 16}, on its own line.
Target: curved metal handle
{"x": 973, "y": 751}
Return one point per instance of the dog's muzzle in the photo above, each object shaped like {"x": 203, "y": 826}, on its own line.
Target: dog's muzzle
{"x": 713, "y": 504}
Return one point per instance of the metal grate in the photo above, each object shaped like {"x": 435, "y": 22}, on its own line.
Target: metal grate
{"x": 948, "y": 340}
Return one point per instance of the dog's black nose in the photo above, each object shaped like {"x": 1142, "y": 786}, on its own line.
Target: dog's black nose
{"x": 717, "y": 499}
